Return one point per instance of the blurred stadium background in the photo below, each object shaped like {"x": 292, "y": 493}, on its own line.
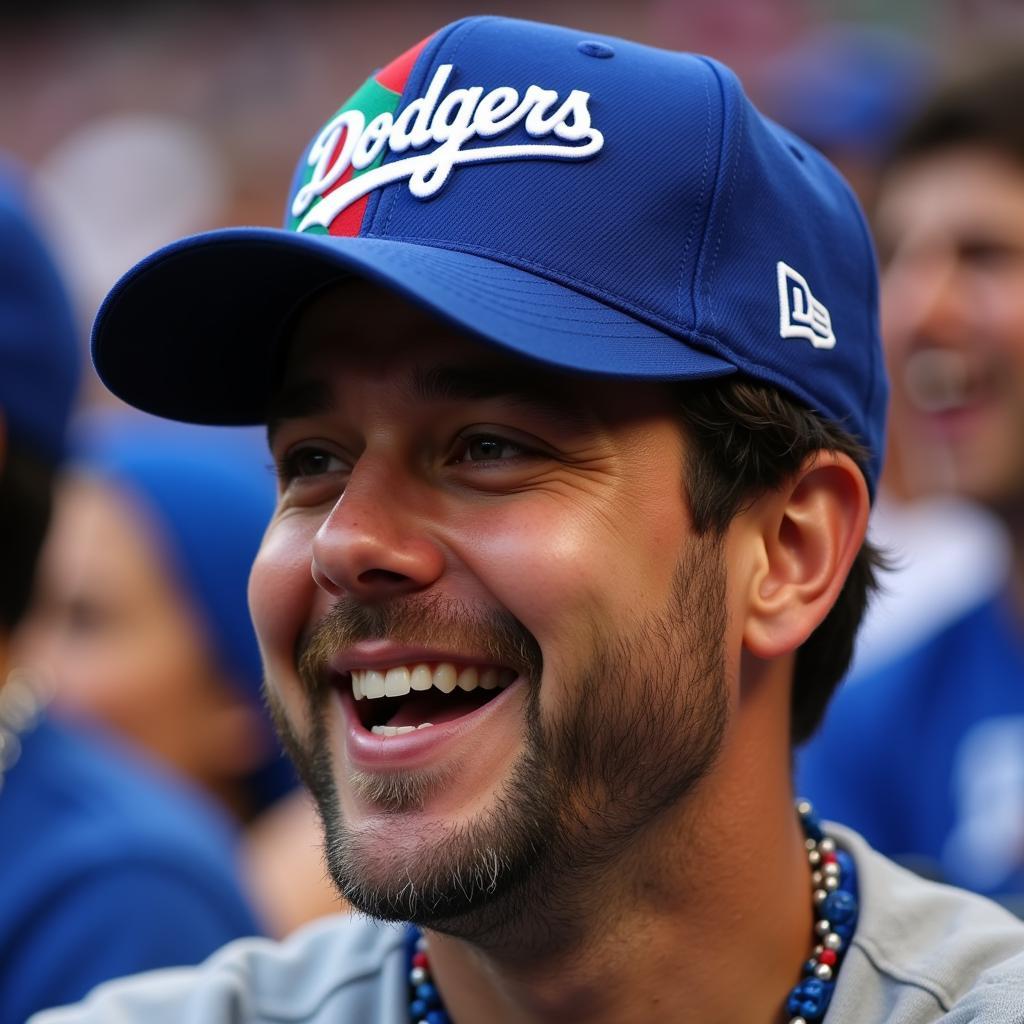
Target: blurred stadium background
{"x": 145, "y": 121}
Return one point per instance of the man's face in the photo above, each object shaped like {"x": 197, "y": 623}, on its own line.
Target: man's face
{"x": 951, "y": 236}
{"x": 452, "y": 515}
{"x": 119, "y": 637}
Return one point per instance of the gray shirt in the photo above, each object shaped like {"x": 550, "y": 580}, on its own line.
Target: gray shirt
{"x": 922, "y": 952}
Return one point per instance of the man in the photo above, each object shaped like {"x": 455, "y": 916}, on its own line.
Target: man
{"x": 537, "y": 353}
{"x": 95, "y": 854}
{"x": 941, "y": 730}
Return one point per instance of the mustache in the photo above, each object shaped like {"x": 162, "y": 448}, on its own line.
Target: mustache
{"x": 435, "y": 621}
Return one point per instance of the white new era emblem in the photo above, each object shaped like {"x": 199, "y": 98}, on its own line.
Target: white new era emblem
{"x": 801, "y": 315}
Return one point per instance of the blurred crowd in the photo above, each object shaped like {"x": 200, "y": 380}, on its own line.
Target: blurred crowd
{"x": 140, "y": 780}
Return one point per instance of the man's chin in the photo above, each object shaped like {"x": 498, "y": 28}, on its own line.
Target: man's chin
{"x": 428, "y": 873}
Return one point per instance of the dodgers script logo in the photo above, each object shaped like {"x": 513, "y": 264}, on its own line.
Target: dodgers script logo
{"x": 450, "y": 121}
{"x": 801, "y": 315}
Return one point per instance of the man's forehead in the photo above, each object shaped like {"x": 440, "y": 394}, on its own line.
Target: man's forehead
{"x": 348, "y": 334}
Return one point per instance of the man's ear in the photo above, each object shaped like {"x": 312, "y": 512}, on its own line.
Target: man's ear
{"x": 808, "y": 533}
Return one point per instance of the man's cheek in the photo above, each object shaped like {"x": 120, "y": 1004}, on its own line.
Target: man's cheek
{"x": 282, "y": 593}
{"x": 551, "y": 571}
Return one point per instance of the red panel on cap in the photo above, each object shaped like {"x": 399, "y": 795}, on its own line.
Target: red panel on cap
{"x": 396, "y": 74}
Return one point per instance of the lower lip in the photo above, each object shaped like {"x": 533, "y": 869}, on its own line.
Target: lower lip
{"x": 417, "y": 749}
{"x": 952, "y": 424}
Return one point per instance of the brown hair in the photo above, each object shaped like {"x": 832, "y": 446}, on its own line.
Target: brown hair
{"x": 980, "y": 104}
{"x": 25, "y": 502}
{"x": 748, "y": 439}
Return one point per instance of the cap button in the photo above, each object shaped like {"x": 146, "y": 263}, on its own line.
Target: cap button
{"x": 592, "y": 48}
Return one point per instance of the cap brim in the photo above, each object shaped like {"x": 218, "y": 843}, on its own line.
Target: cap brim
{"x": 192, "y": 333}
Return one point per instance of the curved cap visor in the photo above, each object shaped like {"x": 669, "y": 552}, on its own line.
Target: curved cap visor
{"x": 194, "y": 332}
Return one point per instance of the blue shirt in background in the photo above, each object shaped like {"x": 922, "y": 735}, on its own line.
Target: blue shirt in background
{"x": 925, "y": 756}
{"x": 105, "y": 870}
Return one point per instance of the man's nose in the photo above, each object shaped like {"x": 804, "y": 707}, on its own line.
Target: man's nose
{"x": 376, "y": 543}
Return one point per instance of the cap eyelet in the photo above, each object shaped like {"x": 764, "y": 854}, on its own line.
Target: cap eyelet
{"x": 592, "y": 48}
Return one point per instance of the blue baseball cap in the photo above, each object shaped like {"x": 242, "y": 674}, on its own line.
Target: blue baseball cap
{"x": 40, "y": 361}
{"x": 583, "y": 201}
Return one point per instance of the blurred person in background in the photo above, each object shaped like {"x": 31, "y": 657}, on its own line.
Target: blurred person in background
{"x": 850, "y": 91}
{"x": 106, "y": 869}
{"x": 940, "y": 777}
{"x": 141, "y": 621}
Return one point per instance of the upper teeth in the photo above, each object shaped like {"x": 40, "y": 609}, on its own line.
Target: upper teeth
{"x": 397, "y": 682}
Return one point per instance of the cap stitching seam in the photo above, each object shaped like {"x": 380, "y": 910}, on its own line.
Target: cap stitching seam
{"x": 451, "y": 60}
{"x": 696, "y": 213}
{"x": 734, "y": 174}
{"x": 382, "y": 199}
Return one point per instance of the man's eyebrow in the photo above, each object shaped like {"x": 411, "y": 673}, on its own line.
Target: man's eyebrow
{"x": 534, "y": 389}
{"x": 548, "y": 395}
{"x": 303, "y": 398}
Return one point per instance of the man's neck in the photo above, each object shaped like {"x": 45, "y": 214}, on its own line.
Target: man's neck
{"x": 716, "y": 893}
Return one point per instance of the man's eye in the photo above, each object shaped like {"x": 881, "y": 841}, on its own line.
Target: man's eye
{"x": 307, "y": 462}
{"x": 483, "y": 448}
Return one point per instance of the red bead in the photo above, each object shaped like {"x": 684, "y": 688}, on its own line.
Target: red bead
{"x": 828, "y": 956}
{"x": 420, "y": 960}
{"x": 829, "y": 858}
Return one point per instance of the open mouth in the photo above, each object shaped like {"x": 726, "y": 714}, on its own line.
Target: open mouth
{"x": 939, "y": 380}
{"x": 403, "y": 698}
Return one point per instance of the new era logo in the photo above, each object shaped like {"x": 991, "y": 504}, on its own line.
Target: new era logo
{"x": 801, "y": 315}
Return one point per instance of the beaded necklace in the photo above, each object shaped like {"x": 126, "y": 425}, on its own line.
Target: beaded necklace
{"x": 834, "y": 881}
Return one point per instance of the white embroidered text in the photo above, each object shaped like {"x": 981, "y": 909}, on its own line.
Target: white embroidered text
{"x": 801, "y": 315}
{"x": 452, "y": 121}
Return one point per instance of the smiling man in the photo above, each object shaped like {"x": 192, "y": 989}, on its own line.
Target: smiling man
{"x": 570, "y": 368}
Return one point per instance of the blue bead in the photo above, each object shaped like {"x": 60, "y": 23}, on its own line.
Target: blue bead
{"x": 437, "y": 1017}
{"x": 809, "y": 965}
{"x": 427, "y": 993}
{"x": 849, "y": 871}
{"x": 809, "y": 999}
{"x": 839, "y": 908}
{"x": 417, "y": 1008}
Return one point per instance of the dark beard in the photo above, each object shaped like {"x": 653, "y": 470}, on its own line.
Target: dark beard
{"x": 647, "y": 720}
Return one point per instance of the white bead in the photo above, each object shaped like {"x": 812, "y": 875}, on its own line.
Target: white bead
{"x": 816, "y": 879}
{"x": 833, "y": 941}
{"x": 831, "y": 869}
{"x": 804, "y": 808}
{"x": 419, "y": 975}
{"x": 819, "y": 896}
{"x": 822, "y": 928}
{"x": 797, "y": 1020}
{"x": 814, "y": 857}
{"x": 810, "y": 844}
{"x": 831, "y": 883}
{"x": 823, "y": 971}
{"x": 827, "y": 845}
{"x": 818, "y": 950}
